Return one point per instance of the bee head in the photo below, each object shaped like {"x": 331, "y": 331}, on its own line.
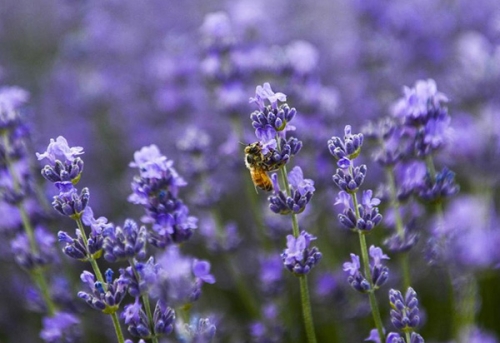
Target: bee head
{"x": 253, "y": 148}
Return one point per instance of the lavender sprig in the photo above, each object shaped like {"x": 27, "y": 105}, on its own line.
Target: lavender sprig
{"x": 271, "y": 123}
{"x": 61, "y": 171}
{"x": 33, "y": 248}
{"x": 404, "y": 316}
{"x": 360, "y": 218}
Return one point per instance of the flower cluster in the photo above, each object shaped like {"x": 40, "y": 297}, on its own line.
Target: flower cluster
{"x": 378, "y": 272}
{"x": 64, "y": 170}
{"x": 365, "y": 217}
{"x": 156, "y": 188}
{"x": 84, "y": 247}
{"x": 301, "y": 192}
{"x": 298, "y": 257}
{"x": 105, "y": 297}
{"x": 138, "y": 324}
{"x": 404, "y": 315}
{"x": 29, "y": 259}
{"x": 125, "y": 243}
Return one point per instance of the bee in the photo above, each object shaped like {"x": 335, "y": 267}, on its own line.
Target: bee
{"x": 255, "y": 162}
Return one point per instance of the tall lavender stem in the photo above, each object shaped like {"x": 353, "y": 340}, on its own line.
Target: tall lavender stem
{"x": 405, "y": 264}
{"x": 366, "y": 265}
{"x": 36, "y": 274}
{"x": 304, "y": 290}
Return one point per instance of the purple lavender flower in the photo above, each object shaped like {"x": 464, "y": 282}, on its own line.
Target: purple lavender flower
{"x": 217, "y": 32}
{"x": 402, "y": 243}
{"x": 156, "y": 188}
{"x": 301, "y": 192}
{"x": 13, "y": 128}
{"x": 436, "y": 189}
{"x": 24, "y": 254}
{"x": 269, "y": 329}
{"x": 64, "y": 163}
{"x": 104, "y": 297}
{"x": 298, "y": 257}
{"x": 198, "y": 331}
{"x": 68, "y": 202}
{"x": 356, "y": 278}
{"x": 369, "y": 215}
{"x": 424, "y": 117}
{"x": 225, "y": 239}
{"x": 374, "y": 337}
{"x": 11, "y": 99}
{"x": 419, "y": 102}
{"x": 379, "y": 272}
{"x": 265, "y": 92}
{"x": 147, "y": 273}
{"x": 349, "y": 147}
{"x": 467, "y": 236}
{"x": 396, "y": 142}
{"x": 410, "y": 178}
{"x": 271, "y": 274}
{"x": 476, "y": 335}
{"x": 393, "y": 337}
{"x": 136, "y": 319}
{"x": 125, "y": 243}
{"x": 81, "y": 248}
{"x": 347, "y": 177}
{"x": 61, "y": 327}
{"x": 179, "y": 279}
{"x": 163, "y": 319}
{"x": 270, "y": 117}
{"x": 404, "y": 313}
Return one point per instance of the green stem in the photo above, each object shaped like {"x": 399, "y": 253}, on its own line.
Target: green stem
{"x": 366, "y": 266}
{"x": 145, "y": 300}
{"x": 306, "y": 309}
{"x": 408, "y": 337}
{"x": 465, "y": 307}
{"x": 371, "y": 294}
{"x": 304, "y": 290}
{"x": 463, "y": 303}
{"x": 36, "y": 274}
{"x": 395, "y": 204}
{"x": 118, "y": 329}
{"x": 91, "y": 259}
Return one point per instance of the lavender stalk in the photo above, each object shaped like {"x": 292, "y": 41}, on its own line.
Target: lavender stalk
{"x": 272, "y": 152}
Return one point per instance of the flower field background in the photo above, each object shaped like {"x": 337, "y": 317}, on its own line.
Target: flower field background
{"x": 131, "y": 131}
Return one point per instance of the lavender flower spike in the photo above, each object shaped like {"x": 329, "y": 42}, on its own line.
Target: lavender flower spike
{"x": 59, "y": 150}
{"x": 64, "y": 163}
{"x": 404, "y": 313}
{"x": 61, "y": 327}
{"x": 104, "y": 297}
{"x": 265, "y": 92}
{"x": 136, "y": 320}
{"x": 68, "y": 202}
{"x": 298, "y": 257}
{"x": 270, "y": 116}
{"x": 379, "y": 272}
{"x": 125, "y": 243}
{"x": 356, "y": 278}
{"x": 349, "y": 147}
{"x": 301, "y": 192}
